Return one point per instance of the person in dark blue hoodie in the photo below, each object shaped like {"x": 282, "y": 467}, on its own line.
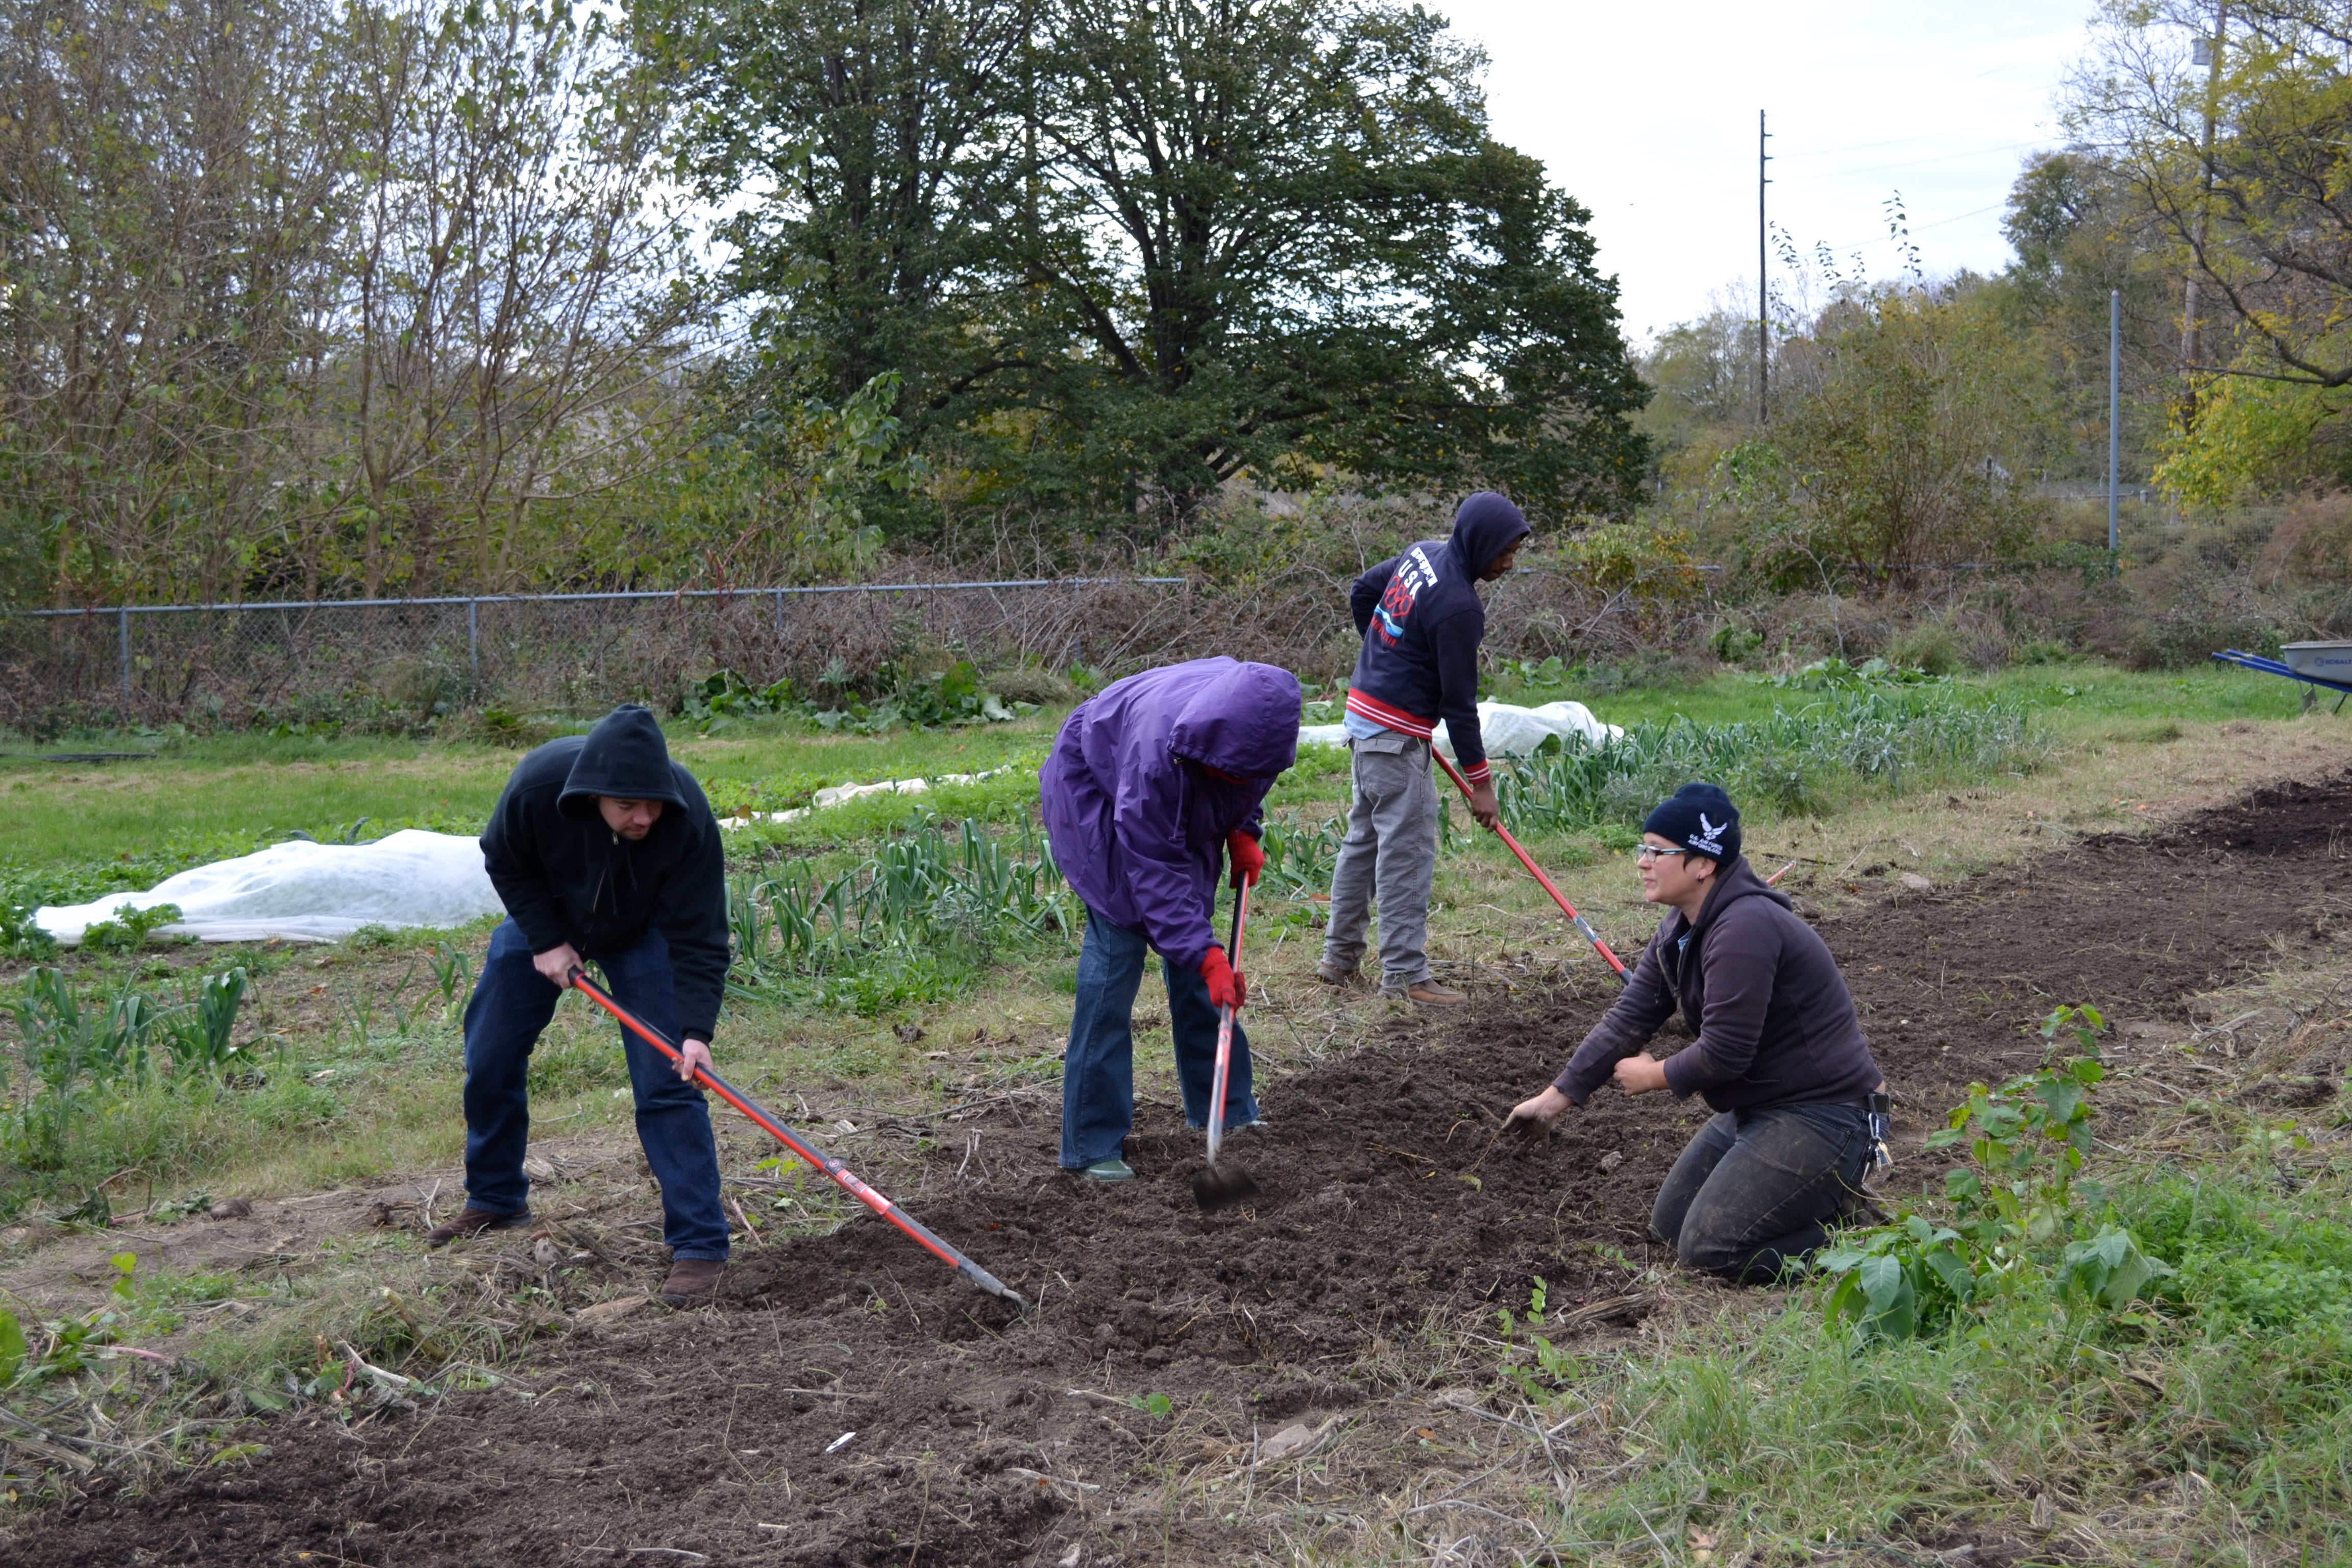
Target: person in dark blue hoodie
{"x": 1422, "y": 622}
{"x": 601, "y": 848}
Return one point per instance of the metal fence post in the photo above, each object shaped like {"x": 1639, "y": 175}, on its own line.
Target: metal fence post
{"x": 122, "y": 640}
{"x": 474, "y": 636}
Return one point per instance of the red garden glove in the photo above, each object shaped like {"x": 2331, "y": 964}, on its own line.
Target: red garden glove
{"x": 1242, "y": 852}
{"x": 1226, "y": 987}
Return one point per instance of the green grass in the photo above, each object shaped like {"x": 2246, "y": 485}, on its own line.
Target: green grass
{"x": 74, "y": 830}
{"x": 199, "y": 798}
{"x": 2176, "y": 1434}
{"x": 2071, "y": 694}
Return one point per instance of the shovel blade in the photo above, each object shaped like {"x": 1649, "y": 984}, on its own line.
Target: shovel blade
{"x": 1216, "y": 1188}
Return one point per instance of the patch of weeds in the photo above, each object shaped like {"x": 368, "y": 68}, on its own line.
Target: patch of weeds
{"x": 2021, "y": 1218}
{"x": 129, "y": 929}
{"x": 20, "y": 937}
{"x": 1298, "y": 858}
{"x": 915, "y": 923}
{"x": 1880, "y": 737}
{"x": 573, "y": 1063}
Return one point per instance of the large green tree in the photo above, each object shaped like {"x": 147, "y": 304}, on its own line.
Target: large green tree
{"x": 1136, "y": 249}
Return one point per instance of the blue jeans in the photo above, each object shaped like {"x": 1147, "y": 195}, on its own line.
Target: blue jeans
{"x": 1098, "y": 1069}
{"x": 513, "y": 1003}
{"x": 1753, "y": 1187}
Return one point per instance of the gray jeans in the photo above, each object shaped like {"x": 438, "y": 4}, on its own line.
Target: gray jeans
{"x": 1754, "y": 1189}
{"x": 1391, "y": 854}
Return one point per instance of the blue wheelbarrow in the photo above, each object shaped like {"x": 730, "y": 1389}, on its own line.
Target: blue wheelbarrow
{"x": 2315, "y": 664}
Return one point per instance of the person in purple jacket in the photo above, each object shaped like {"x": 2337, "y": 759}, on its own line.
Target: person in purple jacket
{"x": 1800, "y": 1107}
{"x": 1422, "y": 622}
{"x": 1153, "y": 783}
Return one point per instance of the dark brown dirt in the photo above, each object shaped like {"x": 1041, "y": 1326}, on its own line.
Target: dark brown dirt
{"x": 981, "y": 1437}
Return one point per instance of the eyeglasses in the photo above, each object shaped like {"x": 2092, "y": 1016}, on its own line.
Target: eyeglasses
{"x": 1651, "y": 852}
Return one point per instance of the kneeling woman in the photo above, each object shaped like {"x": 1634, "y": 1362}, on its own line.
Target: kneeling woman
{"x": 1780, "y": 1055}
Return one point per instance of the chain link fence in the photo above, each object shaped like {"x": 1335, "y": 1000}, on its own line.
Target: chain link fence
{"x": 391, "y": 661}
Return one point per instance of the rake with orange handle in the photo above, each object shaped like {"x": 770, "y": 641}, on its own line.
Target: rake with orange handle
{"x": 1536, "y": 871}
{"x": 918, "y": 1232}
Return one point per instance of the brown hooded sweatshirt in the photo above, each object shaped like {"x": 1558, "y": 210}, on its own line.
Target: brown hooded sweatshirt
{"x": 1776, "y": 1025}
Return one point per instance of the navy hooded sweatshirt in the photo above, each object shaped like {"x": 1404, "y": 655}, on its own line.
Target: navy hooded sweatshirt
{"x": 565, "y": 877}
{"x": 1422, "y": 622}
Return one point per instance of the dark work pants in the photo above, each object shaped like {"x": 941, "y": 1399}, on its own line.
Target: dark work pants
{"x": 511, "y": 1004}
{"x": 1098, "y": 1066}
{"x": 1753, "y": 1188}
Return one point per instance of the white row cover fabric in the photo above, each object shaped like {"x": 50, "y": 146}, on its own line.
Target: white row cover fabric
{"x": 302, "y": 891}
{"x": 1508, "y": 731}
{"x": 825, "y": 798}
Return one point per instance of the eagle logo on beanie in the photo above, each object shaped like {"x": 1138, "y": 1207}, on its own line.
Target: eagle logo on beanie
{"x": 1700, "y": 818}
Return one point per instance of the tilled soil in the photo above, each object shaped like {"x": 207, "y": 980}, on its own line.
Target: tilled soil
{"x": 851, "y": 1402}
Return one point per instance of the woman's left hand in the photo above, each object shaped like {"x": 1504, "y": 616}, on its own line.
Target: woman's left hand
{"x": 1638, "y": 1074}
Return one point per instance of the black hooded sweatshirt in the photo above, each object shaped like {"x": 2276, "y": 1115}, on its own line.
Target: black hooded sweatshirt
{"x": 565, "y": 877}
{"x": 1422, "y": 622}
{"x": 1776, "y": 1025}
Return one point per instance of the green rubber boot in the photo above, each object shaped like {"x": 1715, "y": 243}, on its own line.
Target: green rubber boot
{"x": 1108, "y": 1171}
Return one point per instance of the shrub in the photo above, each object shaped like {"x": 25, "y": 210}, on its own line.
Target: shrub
{"x": 2020, "y": 1216}
{"x": 1929, "y": 648}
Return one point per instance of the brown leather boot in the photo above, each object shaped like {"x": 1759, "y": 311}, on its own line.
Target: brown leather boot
{"x": 1332, "y": 974}
{"x": 470, "y": 1221}
{"x": 1430, "y": 994}
{"x": 693, "y": 1281}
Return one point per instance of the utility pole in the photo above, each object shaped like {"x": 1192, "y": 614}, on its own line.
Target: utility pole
{"x": 2114, "y": 415}
{"x": 2192, "y": 346}
{"x": 1763, "y": 295}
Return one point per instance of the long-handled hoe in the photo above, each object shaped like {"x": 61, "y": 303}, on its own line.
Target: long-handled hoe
{"x": 1213, "y": 1189}
{"x": 915, "y": 1228}
{"x": 1536, "y": 871}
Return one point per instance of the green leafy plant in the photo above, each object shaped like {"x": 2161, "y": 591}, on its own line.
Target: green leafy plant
{"x": 1552, "y": 1367}
{"x": 902, "y": 924}
{"x": 452, "y": 975}
{"x": 130, "y": 928}
{"x": 2029, "y": 1139}
{"x": 2020, "y": 1211}
{"x": 197, "y": 1032}
{"x": 1899, "y": 1281}
{"x": 1299, "y": 859}
{"x": 1879, "y": 733}
{"x": 20, "y": 936}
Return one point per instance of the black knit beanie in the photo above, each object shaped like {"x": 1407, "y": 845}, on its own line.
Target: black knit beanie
{"x": 1701, "y": 818}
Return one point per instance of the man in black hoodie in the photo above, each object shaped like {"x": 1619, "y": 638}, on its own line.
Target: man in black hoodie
{"x": 603, "y": 848}
{"x": 1422, "y": 622}
{"x": 1780, "y": 1054}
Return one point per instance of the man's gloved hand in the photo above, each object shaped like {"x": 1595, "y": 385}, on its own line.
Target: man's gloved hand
{"x": 1244, "y": 854}
{"x": 1226, "y": 987}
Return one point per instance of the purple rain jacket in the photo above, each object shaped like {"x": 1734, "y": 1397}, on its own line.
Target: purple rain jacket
{"x": 1137, "y": 826}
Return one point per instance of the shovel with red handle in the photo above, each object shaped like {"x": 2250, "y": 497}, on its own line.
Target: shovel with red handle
{"x": 1213, "y": 1189}
{"x": 921, "y": 1233}
{"x": 1536, "y": 871}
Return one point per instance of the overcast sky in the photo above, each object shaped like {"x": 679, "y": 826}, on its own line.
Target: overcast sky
{"x": 1646, "y": 114}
